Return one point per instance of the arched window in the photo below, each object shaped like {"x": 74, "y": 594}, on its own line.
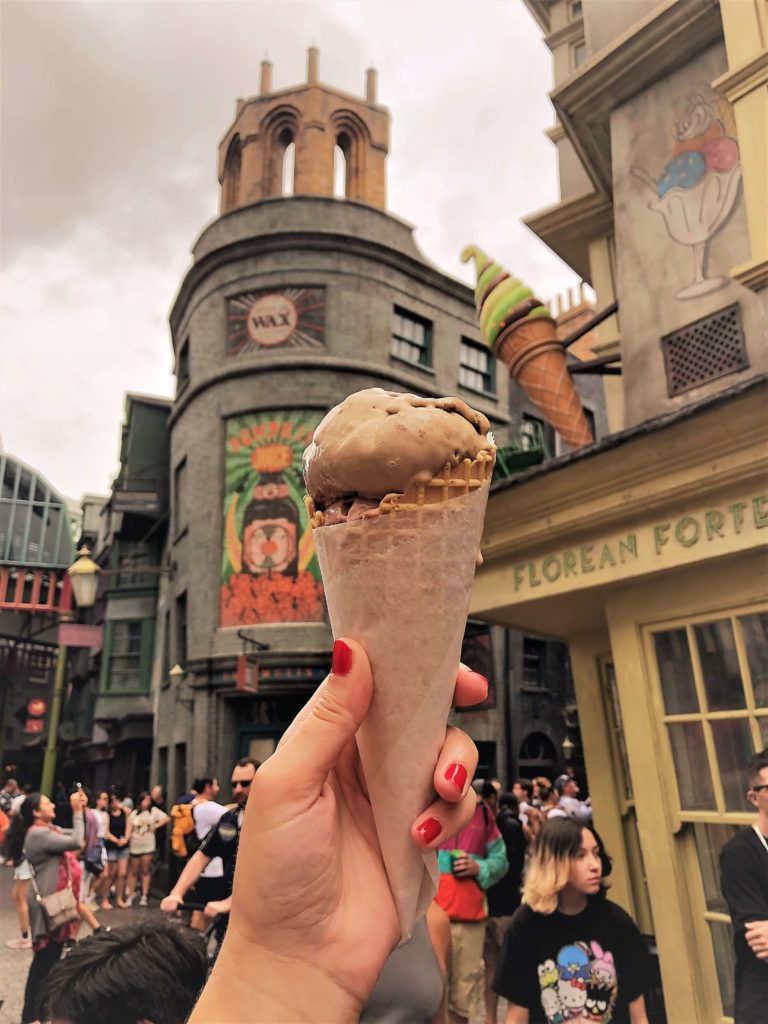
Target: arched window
{"x": 285, "y": 140}
{"x": 232, "y": 175}
{"x": 341, "y": 168}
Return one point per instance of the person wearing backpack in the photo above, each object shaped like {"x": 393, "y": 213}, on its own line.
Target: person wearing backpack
{"x": 204, "y": 813}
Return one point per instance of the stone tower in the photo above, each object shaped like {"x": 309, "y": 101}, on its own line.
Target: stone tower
{"x": 313, "y": 119}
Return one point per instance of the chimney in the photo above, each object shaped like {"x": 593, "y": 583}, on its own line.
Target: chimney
{"x": 370, "y": 85}
{"x": 265, "y": 85}
{"x": 313, "y": 57}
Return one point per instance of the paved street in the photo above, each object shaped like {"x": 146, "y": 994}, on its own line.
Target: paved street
{"x": 14, "y": 963}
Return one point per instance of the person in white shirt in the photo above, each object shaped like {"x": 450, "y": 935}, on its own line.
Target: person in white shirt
{"x": 145, "y": 821}
{"x": 206, "y": 813}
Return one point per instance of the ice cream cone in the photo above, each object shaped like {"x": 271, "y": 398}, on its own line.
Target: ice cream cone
{"x": 523, "y": 335}
{"x": 400, "y": 584}
{"x": 536, "y": 359}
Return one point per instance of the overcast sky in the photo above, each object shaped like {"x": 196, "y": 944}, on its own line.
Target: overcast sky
{"x": 112, "y": 111}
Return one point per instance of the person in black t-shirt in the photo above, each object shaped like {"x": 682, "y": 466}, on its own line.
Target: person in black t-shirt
{"x": 570, "y": 953}
{"x": 744, "y": 881}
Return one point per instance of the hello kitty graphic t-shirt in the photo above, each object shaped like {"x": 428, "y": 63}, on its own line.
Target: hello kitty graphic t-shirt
{"x": 573, "y": 968}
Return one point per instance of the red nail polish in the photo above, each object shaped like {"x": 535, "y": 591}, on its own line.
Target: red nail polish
{"x": 429, "y": 830}
{"x": 341, "y": 664}
{"x": 456, "y": 774}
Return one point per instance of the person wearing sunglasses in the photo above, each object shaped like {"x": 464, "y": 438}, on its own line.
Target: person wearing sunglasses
{"x": 221, "y": 841}
{"x": 744, "y": 882}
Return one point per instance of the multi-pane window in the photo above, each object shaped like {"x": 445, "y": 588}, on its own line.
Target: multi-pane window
{"x": 534, "y": 662}
{"x": 181, "y": 630}
{"x": 125, "y": 657}
{"x": 713, "y": 687}
{"x": 575, "y": 10}
{"x": 182, "y": 367}
{"x": 476, "y": 367}
{"x": 411, "y": 338}
{"x": 35, "y": 526}
{"x": 536, "y": 434}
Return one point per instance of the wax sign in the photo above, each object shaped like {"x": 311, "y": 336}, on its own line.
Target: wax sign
{"x": 269, "y": 570}
{"x": 285, "y": 317}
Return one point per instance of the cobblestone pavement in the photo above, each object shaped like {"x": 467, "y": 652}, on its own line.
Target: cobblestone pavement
{"x": 14, "y": 963}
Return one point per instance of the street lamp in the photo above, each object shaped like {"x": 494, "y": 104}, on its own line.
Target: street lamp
{"x": 568, "y": 747}
{"x": 84, "y": 576}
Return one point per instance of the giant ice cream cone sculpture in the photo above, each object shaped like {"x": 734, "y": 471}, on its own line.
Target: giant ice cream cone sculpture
{"x": 397, "y": 492}
{"x": 520, "y": 332}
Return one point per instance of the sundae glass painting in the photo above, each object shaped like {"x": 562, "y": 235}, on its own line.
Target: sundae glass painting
{"x": 697, "y": 189}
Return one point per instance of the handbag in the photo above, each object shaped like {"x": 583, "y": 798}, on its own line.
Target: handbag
{"x": 60, "y": 907}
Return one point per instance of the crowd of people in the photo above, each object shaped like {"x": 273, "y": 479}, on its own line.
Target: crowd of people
{"x": 521, "y": 901}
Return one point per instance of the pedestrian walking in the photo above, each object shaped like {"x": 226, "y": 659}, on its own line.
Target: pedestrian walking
{"x": 116, "y": 842}
{"x": 569, "y": 952}
{"x": 469, "y": 864}
{"x": 21, "y": 879}
{"x": 744, "y": 881}
{"x": 145, "y": 821}
{"x": 50, "y": 853}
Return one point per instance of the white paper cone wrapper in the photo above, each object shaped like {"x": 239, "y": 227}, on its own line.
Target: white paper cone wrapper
{"x": 399, "y": 585}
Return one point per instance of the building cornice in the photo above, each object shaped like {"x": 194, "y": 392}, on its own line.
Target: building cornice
{"x": 571, "y": 32}
{"x": 744, "y": 79}
{"x": 626, "y": 477}
{"x": 556, "y": 133}
{"x": 312, "y": 241}
{"x": 317, "y": 364}
{"x": 649, "y": 50}
{"x": 568, "y": 227}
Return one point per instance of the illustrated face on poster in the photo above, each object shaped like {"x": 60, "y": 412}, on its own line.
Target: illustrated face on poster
{"x": 286, "y": 317}
{"x": 269, "y": 568}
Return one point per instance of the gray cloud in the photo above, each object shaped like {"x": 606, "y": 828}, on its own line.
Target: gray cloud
{"x": 111, "y": 117}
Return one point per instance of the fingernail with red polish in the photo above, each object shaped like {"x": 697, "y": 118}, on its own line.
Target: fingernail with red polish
{"x": 341, "y": 664}
{"x": 456, "y": 774}
{"x": 429, "y": 830}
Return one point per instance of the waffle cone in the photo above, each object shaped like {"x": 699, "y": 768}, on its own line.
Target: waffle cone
{"x": 399, "y": 584}
{"x": 536, "y": 359}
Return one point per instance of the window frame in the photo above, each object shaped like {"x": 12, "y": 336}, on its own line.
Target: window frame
{"x": 182, "y": 367}
{"x": 490, "y": 375}
{"x": 424, "y": 363}
{"x": 576, "y": 46}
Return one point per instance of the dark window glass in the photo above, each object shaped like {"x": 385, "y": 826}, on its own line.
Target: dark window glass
{"x": 734, "y": 748}
{"x": 719, "y": 665}
{"x": 534, "y": 661}
{"x": 673, "y": 657}
{"x": 180, "y": 496}
{"x": 181, "y": 630}
{"x": 125, "y": 656}
{"x": 754, "y": 629}
{"x": 691, "y": 767}
{"x": 182, "y": 367}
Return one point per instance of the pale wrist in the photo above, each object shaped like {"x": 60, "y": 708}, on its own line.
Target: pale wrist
{"x": 276, "y": 989}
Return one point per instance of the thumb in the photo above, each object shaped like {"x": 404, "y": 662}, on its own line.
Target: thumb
{"x": 329, "y": 721}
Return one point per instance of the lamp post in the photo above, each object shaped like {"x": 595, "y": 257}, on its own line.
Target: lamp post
{"x": 568, "y": 747}
{"x": 84, "y": 575}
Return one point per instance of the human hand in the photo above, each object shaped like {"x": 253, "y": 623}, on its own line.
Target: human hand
{"x": 170, "y": 904}
{"x": 317, "y": 934}
{"x": 216, "y": 907}
{"x": 466, "y": 867}
{"x": 77, "y": 801}
{"x": 756, "y": 935}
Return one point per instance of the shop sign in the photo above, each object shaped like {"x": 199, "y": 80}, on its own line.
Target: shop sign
{"x": 660, "y": 545}
{"x": 73, "y": 634}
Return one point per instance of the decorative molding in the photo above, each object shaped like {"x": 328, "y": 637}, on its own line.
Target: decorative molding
{"x": 568, "y": 228}
{"x": 652, "y": 48}
{"x": 556, "y": 133}
{"x": 741, "y": 81}
{"x": 753, "y": 274}
{"x": 572, "y": 32}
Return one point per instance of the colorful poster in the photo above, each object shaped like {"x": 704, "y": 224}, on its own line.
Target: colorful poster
{"x": 269, "y": 568}
{"x": 283, "y": 317}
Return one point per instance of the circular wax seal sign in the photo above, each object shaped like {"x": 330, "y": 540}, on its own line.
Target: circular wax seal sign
{"x": 272, "y": 319}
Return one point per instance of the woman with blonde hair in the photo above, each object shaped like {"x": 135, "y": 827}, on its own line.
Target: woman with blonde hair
{"x": 570, "y": 953}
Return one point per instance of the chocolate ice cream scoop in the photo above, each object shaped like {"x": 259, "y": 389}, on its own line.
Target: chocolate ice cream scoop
{"x": 378, "y": 442}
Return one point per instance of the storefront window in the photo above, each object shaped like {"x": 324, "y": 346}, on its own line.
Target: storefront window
{"x": 709, "y": 841}
{"x": 754, "y": 629}
{"x": 719, "y": 665}
{"x": 734, "y": 748}
{"x": 676, "y": 672}
{"x": 722, "y": 941}
{"x": 691, "y": 768}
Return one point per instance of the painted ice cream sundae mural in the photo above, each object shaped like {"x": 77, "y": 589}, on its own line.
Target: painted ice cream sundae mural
{"x": 697, "y": 189}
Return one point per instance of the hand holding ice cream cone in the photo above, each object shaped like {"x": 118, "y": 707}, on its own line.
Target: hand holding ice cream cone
{"x": 398, "y": 486}
{"x": 520, "y": 331}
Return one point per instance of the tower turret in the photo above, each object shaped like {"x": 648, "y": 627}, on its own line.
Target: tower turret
{"x": 285, "y": 142}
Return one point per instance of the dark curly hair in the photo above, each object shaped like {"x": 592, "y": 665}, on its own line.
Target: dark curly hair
{"x": 21, "y": 823}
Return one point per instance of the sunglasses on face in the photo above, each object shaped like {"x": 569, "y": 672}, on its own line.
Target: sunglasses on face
{"x": 756, "y": 789}
{"x": 243, "y": 784}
